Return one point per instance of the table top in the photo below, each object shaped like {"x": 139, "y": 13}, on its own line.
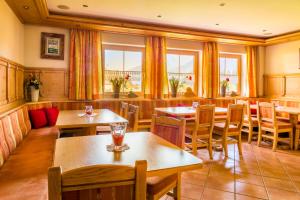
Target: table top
{"x": 182, "y": 111}
{"x": 290, "y": 110}
{"x": 71, "y": 118}
{"x": 161, "y": 155}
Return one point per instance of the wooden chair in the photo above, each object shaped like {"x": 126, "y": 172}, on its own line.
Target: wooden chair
{"x": 170, "y": 129}
{"x": 92, "y": 182}
{"x": 201, "y": 132}
{"x": 133, "y": 117}
{"x": 124, "y": 110}
{"x": 250, "y": 122}
{"x": 297, "y": 136}
{"x": 231, "y": 127}
{"x": 268, "y": 122}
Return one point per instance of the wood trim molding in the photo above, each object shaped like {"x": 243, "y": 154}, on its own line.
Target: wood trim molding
{"x": 283, "y": 38}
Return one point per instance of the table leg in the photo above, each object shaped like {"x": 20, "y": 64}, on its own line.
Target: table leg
{"x": 294, "y": 121}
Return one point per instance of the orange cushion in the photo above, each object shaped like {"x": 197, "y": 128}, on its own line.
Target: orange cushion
{"x": 4, "y": 150}
{"x": 254, "y": 121}
{"x": 9, "y": 135}
{"x": 22, "y": 123}
{"x": 16, "y": 127}
{"x": 281, "y": 125}
{"x": 157, "y": 183}
{"x": 220, "y": 127}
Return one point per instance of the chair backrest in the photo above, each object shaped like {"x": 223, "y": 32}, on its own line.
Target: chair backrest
{"x": 133, "y": 117}
{"x": 124, "y": 110}
{"x": 170, "y": 129}
{"x": 108, "y": 181}
{"x": 235, "y": 116}
{"x": 266, "y": 113}
{"x": 205, "y": 118}
{"x": 247, "y": 109}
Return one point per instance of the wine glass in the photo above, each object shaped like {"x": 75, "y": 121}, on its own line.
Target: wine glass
{"x": 89, "y": 110}
{"x": 195, "y": 104}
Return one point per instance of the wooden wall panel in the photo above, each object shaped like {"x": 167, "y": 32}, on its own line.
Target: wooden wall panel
{"x": 54, "y": 82}
{"x": 292, "y": 85}
{"x": 11, "y": 83}
{"x": 20, "y": 83}
{"x": 274, "y": 85}
{"x": 3, "y": 82}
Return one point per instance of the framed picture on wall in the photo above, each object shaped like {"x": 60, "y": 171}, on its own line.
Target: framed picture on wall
{"x": 52, "y": 46}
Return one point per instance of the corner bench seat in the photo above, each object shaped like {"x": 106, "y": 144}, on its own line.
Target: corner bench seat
{"x": 24, "y": 172}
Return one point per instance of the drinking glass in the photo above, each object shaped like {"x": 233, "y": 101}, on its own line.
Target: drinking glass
{"x": 89, "y": 110}
{"x": 118, "y": 131}
{"x": 195, "y": 104}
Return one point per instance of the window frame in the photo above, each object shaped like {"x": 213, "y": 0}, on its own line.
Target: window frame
{"x": 239, "y": 58}
{"x": 196, "y": 65}
{"x": 119, "y": 47}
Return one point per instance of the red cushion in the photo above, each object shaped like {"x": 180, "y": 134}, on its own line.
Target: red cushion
{"x": 38, "y": 118}
{"x": 253, "y": 111}
{"x": 51, "y": 114}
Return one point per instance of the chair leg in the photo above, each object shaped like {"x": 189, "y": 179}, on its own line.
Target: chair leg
{"x": 297, "y": 138}
{"x": 259, "y": 136}
{"x": 177, "y": 189}
{"x": 225, "y": 147}
{"x": 291, "y": 139}
{"x": 240, "y": 144}
{"x": 275, "y": 140}
{"x": 194, "y": 143}
{"x": 250, "y": 134}
{"x": 210, "y": 149}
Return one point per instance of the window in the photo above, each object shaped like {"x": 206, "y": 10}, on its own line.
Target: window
{"x": 121, "y": 61}
{"x": 230, "y": 67}
{"x": 182, "y": 65}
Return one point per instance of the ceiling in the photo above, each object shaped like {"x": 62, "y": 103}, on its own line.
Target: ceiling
{"x": 256, "y": 18}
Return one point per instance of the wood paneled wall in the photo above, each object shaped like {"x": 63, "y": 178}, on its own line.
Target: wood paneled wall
{"x": 54, "y": 82}
{"x": 11, "y": 83}
{"x": 282, "y": 85}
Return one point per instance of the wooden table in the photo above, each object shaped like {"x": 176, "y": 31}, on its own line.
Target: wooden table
{"x": 103, "y": 117}
{"x": 162, "y": 156}
{"x": 184, "y": 111}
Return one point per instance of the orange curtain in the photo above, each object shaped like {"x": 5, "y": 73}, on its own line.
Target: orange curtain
{"x": 251, "y": 70}
{"x": 210, "y": 70}
{"x": 85, "y": 65}
{"x": 156, "y": 77}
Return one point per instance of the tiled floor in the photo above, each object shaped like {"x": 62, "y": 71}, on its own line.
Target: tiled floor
{"x": 258, "y": 174}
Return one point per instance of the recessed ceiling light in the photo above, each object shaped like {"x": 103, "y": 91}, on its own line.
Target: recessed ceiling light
{"x": 264, "y": 30}
{"x": 222, "y": 4}
{"x": 63, "y": 7}
{"x": 159, "y": 16}
{"x": 85, "y": 6}
{"x": 26, "y": 7}
{"x": 268, "y": 33}
{"x": 217, "y": 24}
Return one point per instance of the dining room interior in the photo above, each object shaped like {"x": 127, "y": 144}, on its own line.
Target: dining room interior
{"x": 156, "y": 100}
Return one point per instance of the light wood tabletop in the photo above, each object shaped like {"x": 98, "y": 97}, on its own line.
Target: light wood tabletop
{"x": 162, "y": 156}
{"x": 73, "y": 119}
{"x": 183, "y": 111}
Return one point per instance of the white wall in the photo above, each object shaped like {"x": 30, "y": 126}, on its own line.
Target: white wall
{"x": 283, "y": 58}
{"x": 11, "y": 35}
{"x": 32, "y": 47}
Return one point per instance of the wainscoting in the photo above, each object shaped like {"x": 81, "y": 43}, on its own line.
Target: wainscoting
{"x": 282, "y": 85}
{"x": 11, "y": 83}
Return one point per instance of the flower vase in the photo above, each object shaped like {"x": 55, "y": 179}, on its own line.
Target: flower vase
{"x": 116, "y": 92}
{"x": 223, "y": 91}
{"x": 173, "y": 92}
{"x": 35, "y": 93}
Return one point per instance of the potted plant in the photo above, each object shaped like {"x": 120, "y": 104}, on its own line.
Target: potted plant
{"x": 224, "y": 87}
{"x": 33, "y": 84}
{"x": 117, "y": 83}
{"x": 174, "y": 84}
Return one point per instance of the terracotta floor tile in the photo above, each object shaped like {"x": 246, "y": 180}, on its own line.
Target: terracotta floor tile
{"x": 251, "y": 190}
{"x": 212, "y": 194}
{"x": 191, "y": 191}
{"x": 249, "y": 178}
{"x": 223, "y": 183}
{"x": 244, "y": 197}
{"x": 279, "y": 183}
{"x": 193, "y": 178}
{"x": 276, "y": 194}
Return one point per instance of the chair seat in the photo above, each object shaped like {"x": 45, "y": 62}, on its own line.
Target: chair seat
{"x": 254, "y": 121}
{"x": 281, "y": 125}
{"x": 221, "y": 125}
{"x": 220, "y": 118}
{"x": 157, "y": 184}
{"x": 144, "y": 121}
{"x": 283, "y": 119}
